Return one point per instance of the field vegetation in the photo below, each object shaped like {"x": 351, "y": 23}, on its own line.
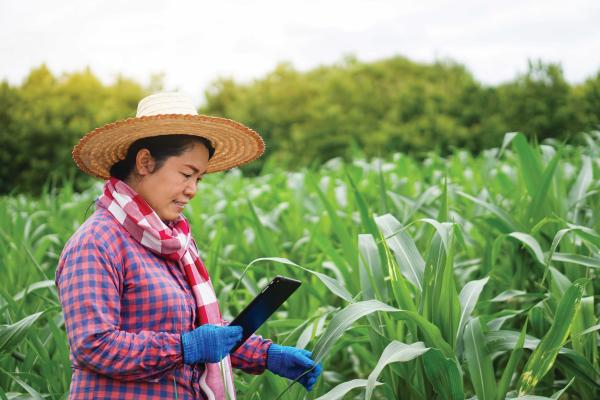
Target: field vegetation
{"x": 442, "y": 277}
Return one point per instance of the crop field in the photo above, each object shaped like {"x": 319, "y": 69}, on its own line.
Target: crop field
{"x": 433, "y": 278}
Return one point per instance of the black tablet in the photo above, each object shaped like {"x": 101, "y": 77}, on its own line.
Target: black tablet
{"x": 263, "y": 305}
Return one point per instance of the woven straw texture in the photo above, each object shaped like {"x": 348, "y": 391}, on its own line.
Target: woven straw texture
{"x": 234, "y": 143}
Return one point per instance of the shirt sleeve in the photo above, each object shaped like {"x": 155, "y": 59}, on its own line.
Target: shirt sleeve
{"x": 89, "y": 286}
{"x": 251, "y": 356}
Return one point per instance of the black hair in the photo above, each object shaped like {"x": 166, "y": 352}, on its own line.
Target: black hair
{"x": 161, "y": 148}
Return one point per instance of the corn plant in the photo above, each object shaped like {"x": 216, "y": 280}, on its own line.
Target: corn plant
{"x": 433, "y": 278}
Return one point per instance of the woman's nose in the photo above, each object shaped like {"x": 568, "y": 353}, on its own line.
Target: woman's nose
{"x": 190, "y": 189}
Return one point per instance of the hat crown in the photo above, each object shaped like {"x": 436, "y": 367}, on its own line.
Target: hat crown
{"x": 166, "y": 103}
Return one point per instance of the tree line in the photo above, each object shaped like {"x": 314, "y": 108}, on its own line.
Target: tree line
{"x": 305, "y": 118}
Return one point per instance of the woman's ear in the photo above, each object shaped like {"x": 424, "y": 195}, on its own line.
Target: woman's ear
{"x": 144, "y": 162}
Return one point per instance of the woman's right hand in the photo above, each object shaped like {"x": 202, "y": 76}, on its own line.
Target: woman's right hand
{"x": 209, "y": 343}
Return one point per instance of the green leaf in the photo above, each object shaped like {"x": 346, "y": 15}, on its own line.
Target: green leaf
{"x": 430, "y": 333}
{"x": 338, "y": 226}
{"x": 545, "y": 353}
{"x": 586, "y": 234}
{"x": 264, "y": 238}
{"x": 393, "y": 352}
{"x": 443, "y": 229}
{"x": 372, "y": 280}
{"x": 342, "y": 321}
{"x": 409, "y": 259}
{"x": 555, "y": 242}
{"x": 370, "y": 274}
{"x": 440, "y": 303}
{"x": 479, "y": 362}
{"x": 11, "y": 335}
{"x": 426, "y": 197}
{"x": 530, "y": 163}
{"x": 403, "y": 294}
{"x": 582, "y": 183}
{"x": 541, "y": 198}
{"x": 32, "y": 392}
{"x": 501, "y": 341}
{"x": 511, "y": 365}
{"x": 577, "y": 259}
{"x": 559, "y": 284}
{"x": 444, "y": 375}
{"x": 363, "y": 208}
{"x": 585, "y": 318}
{"x": 342, "y": 389}
{"x": 532, "y": 245}
{"x": 508, "y": 137}
{"x": 509, "y": 224}
{"x": 443, "y": 211}
{"x": 588, "y": 330}
{"x": 468, "y": 299}
{"x": 434, "y": 271}
{"x": 34, "y": 286}
{"x": 333, "y": 285}
{"x": 558, "y": 394}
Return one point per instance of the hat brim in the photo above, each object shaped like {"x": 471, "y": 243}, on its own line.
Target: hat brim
{"x": 234, "y": 143}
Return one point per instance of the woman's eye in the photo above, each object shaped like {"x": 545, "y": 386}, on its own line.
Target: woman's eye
{"x": 186, "y": 175}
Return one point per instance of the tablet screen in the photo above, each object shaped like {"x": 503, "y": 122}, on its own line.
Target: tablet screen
{"x": 264, "y": 305}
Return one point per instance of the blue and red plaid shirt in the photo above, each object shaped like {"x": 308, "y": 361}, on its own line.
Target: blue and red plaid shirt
{"x": 125, "y": 309}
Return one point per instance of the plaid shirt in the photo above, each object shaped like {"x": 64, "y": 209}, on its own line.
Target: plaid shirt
{"x": 125, "y": 308}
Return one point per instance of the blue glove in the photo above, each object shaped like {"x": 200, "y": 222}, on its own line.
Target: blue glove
{"x": 209, "y": 343}
{"x": 291, "y": 362}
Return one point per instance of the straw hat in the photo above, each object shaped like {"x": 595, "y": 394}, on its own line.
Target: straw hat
{"x": 167, "y": 114}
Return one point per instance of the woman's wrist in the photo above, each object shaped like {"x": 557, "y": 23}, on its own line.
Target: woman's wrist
{"x": 275, "y": 356}
{"x": 189, "y": 348}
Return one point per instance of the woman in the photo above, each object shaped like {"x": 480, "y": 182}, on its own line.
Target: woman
{"x": 140, "y": 311}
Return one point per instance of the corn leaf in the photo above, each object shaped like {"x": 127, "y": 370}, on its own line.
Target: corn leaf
{"x": 440, "y": 303}
{"x": 508, "y": 223}
{"x": 577, "y": 259}
{"x": 479, "y": 362}
{"x": 444, "y": 375}
{"x": 394, "y": 352}
{"x": 468, "y": 299}
{"x": 581, "y": 184}
{"x": 372, "y": 280}
{"x": 542, "y": 197}
{"x": 545, "y": 353}
{"x": 342, "y": 321}
{"x": 511, "y": 365}
{"x": 530, "y": 163}
{"x": 332, "y": 284}
{"x": 431, "y": 334}
{"x": 409, "y": 259}
{"x": 338, "y": 226}
{"x": 531, "y": 244}
{"x": 35, "y": 395}
{"x": 11, "y": 335}
{"x": 370, "y": 274}
{"x": 508, "y": 138}
{"x": 342, "y": 389}
{"x": 33, "y": 287}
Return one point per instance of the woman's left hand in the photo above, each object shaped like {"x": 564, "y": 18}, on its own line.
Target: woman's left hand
{"x": 291, "y": 362}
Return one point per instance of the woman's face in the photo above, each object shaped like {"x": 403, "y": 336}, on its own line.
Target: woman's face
{"x": 168, "y": 189}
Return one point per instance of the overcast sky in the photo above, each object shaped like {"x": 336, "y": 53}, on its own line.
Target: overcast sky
{"x": 194, "y": 42}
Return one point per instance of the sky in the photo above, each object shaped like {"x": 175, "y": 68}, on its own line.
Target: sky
{"x": 195, "y": 42}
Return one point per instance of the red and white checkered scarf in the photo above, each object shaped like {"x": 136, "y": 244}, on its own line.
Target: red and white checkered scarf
{"x": 174, "y": 242}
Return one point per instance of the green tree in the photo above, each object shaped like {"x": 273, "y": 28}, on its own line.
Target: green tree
{"x": 44, "y": 118}
{"x": 587, "y": 100}
{"x": 539, "y": 103}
